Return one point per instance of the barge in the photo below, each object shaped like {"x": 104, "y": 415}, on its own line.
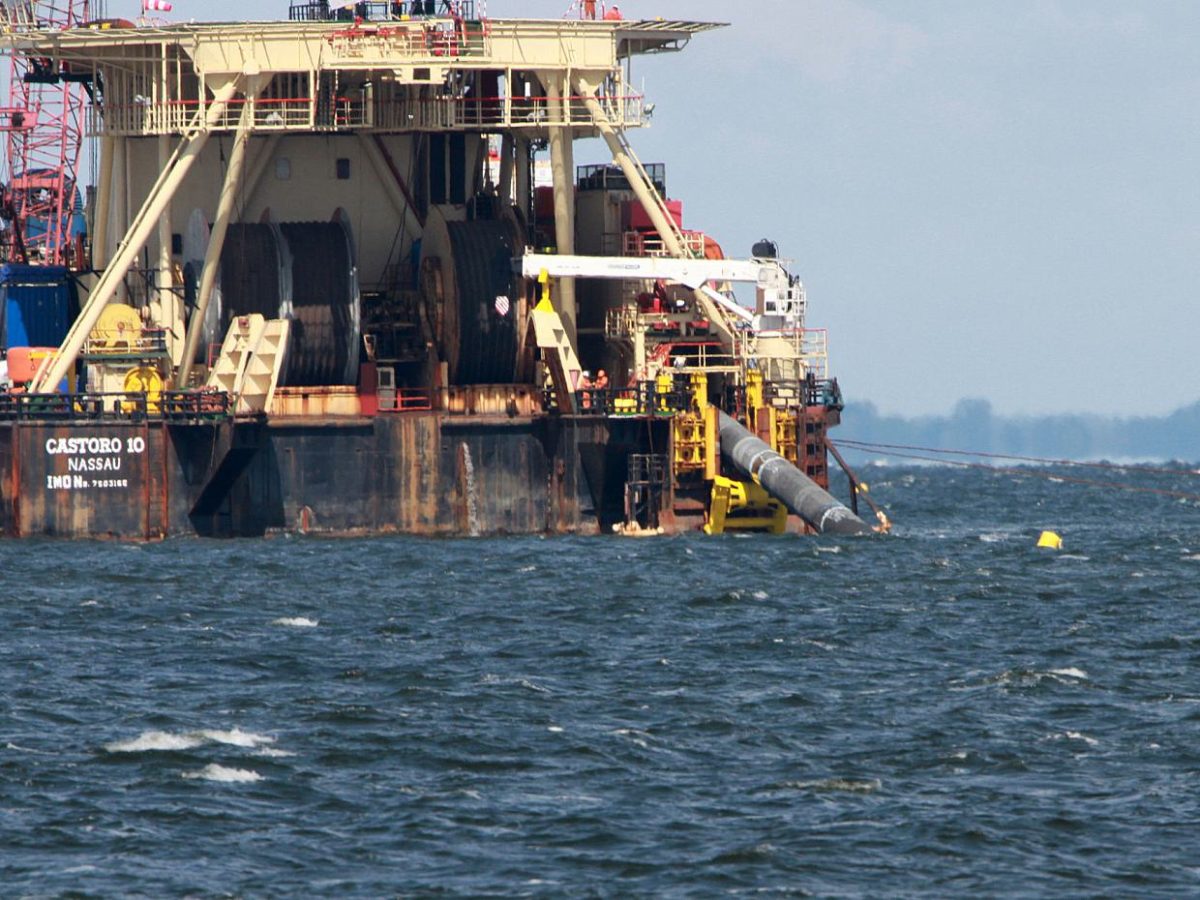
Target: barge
{"x": 341, "y": 274}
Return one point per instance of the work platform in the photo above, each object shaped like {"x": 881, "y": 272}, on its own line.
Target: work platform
{"x": 390, "y": 76}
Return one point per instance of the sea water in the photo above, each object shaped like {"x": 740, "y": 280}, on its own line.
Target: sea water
{"x": 944, "y": 711}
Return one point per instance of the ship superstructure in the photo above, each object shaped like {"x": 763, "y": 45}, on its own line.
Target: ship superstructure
{"x": 323, "y": 290}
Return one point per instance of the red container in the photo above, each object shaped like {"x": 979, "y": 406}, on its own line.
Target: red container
{"x": 543, "y": 203}
{"x": 635, "y": 218}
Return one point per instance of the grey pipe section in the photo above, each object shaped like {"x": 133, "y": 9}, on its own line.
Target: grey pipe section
{"x": 787, "y": 484}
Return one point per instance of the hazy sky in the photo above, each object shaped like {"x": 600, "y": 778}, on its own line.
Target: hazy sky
{"x": 984, "y": 199}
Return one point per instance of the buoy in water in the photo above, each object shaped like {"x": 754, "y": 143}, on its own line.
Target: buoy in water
{"x": 1050, "y": 541}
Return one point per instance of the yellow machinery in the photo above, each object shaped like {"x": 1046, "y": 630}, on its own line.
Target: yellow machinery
{"x": 696, "y": 443}
{"x": 119, "y": 330}
{"x": 743, "y": 506}
{"x": 144, "y": 380}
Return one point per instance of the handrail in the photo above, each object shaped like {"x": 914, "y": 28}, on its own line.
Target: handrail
{"x": 408, "y": 400}
{"x": 645, "y": 398}
{"x": 384, "y": 113}
{"x": 126, "y": 406}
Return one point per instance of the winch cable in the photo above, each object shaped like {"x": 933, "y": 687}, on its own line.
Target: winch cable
{"x": 1041, "y": 460}
{"x": 1028, "y": 473}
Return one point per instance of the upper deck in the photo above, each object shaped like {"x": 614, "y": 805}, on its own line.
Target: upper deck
{"x": 412, "y": 74}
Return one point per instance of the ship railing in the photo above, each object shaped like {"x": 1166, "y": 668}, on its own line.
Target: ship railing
{"x": 195, "y": 406}
{"x": 702, "y": 356}
{"x": 404, "y": 112}
{"x": 148, "y": 342}
{"x": 135, "y": 406}
{"x": 621, "y": 322}
{"x": 126, "y": 406}
{"x": 386, "y": 112}
{"x": 645, "y": 398}
{"x": 430, "y": 40}
{"x": 816, "y": 392}
{"x": 814, "y": 351}
{"x": 270, "y": 114}
{"x": 402, "y": 400}
{"x": 650, "y": 243}
{"x": 379, "y": 10}
{"x": 611, "y": 177}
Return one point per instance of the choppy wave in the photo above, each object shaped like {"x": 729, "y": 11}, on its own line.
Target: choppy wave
{"x": 946, "y": 711}
{"x": 224, "y": 775}
{"x": 150, "y": 741}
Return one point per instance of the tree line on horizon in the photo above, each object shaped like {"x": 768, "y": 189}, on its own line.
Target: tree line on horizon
{"x": 974, "y": 426}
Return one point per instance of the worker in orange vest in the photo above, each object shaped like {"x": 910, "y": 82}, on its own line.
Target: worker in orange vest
{"x": 589, "y": 9}
{"x": 614, "y": 14}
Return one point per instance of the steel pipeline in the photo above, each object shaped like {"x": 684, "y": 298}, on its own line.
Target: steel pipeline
{"x": 783, "y": 481}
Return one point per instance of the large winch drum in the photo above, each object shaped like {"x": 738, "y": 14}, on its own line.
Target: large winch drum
{"x": 479, "y": 307}
{"x": 301, "y": 271}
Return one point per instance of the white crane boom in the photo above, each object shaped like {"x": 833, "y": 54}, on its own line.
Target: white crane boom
{"x": 783, "y": 295}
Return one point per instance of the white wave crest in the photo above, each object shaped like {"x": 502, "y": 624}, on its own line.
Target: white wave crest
{"x": 1074, "y": 736}
{"x": 848, "y": 785}
{"x": 149, "y": 741}
{"x": 223, "y": 774}
{"x": 237, "y": 738}
{"x": 155, "y": 740}
{"x": 1070, "y": 673}
{"x": 272, "y": 753}
{"x": 297, "y": 622}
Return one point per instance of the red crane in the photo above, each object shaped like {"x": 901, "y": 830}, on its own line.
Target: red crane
{"x": 43, "y": 126}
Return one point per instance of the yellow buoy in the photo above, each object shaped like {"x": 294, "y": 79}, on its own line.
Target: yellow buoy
{"x": 1050, "y": 541}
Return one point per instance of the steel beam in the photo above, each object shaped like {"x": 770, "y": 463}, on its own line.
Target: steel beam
{"x": 143, "y": 226}
{"x": 212, "y": 255}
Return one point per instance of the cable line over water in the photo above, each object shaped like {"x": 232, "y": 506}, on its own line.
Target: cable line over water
{"x": 924, "y": 454}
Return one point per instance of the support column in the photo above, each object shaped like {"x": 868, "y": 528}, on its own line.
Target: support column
{"x": 216, "y": 241}
{"x": 117, "y": 219}
{"x": 562, "y": 163}
{"x": 524, "y": 195}
{"x": 143, "y": 226}
{"x": 164, "y": 311}
{"x": 504, "y": 188}
{"x": 104, "y": 204}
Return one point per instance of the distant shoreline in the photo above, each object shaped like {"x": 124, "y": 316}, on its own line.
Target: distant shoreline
{"x": 973, "y": 425}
